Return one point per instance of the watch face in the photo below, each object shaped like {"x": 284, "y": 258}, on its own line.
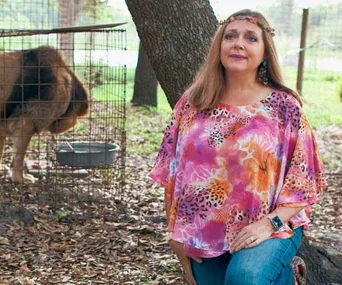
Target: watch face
{"x": 277, "y": 222}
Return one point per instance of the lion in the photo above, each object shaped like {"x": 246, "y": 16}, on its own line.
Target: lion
{"x": 38, "y": 92}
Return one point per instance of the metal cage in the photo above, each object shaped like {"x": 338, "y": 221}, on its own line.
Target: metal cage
{"x": 50, "y": 14}
{"x": 38, "y": 93}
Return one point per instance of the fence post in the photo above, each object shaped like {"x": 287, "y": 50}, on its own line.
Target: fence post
{"x": 301, "y": 58}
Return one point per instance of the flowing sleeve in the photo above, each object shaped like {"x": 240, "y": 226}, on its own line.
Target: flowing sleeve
{"x": 304, "y": 178}
{"x": 164, "y": 165}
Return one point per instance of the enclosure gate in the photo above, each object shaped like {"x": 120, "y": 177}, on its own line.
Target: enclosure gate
{"x": 86, "y": 163}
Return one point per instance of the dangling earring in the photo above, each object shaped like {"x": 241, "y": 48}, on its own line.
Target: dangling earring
{"x": 262, "y": 73}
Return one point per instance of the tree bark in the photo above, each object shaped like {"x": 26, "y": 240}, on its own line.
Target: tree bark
{"x": 69, "y": 11}
{"x": 66, "y": 19}
{"x": 323, "y": 269}
{"x": 175, "y": 35}
{"x": 174, "y": 39}
{"x": 78, "y": 6}
{"x": 145, "y": 82}
{"x": 287, "y": 8}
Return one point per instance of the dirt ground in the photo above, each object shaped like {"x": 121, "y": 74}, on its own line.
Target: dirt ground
{"x": 124, "y": 240}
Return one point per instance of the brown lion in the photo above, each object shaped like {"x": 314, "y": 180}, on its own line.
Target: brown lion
{"x": 38, "y": 92}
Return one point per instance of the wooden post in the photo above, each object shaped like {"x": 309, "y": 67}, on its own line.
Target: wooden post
{"x": 300, "y": 71}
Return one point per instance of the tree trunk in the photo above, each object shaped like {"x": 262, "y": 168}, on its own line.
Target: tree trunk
{"x": 145, "y": 82}
{"x": 287, "y": 9}
{"x": 174, "y": 39}
{"x": 66, "y": 19}
{"x": 78, "y": 6}
{"x": 69, "y": 11}
{"x": 175, "y": 34}
{"x": 323, "y": 269}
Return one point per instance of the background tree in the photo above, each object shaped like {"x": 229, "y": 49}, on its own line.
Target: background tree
{"x": 145, "y": 82}
{"x": 282, "y": 13}
{"x": 174, "y": 39}
{"x": 175, "y": 35}
{"x": 46, "y": 14}
{"x": 98, "y": 11}
{"x": 31, "y": 15}
{"x": 70, "y": 12}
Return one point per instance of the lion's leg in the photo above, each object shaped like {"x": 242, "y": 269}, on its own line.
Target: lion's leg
{"x": 62, "y": 125}
{"x": 3, "y": 168}
{"x": 2, "y": 147}
{"x": 21, "y": 139}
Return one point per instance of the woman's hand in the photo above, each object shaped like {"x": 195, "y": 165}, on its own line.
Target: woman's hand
{"x": 184, "y": 259}
{"x": 252, "y": 235}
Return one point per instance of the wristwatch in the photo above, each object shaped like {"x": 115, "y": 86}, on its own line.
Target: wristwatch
{"x": 276, "y": 222}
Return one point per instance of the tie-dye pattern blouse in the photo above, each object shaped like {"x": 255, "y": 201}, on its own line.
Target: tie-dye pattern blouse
{"x": 227, "y": 167}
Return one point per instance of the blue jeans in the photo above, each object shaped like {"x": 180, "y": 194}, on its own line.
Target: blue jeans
{"x": 267, "y": 263}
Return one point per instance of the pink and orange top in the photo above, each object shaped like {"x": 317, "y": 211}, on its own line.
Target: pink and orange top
{"x": 229, "y": 166}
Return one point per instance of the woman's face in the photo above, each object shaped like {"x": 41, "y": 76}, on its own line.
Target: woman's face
{"x": 242, "y": 47}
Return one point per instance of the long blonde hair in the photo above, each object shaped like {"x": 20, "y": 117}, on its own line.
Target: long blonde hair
{"x": 209, "y": 85}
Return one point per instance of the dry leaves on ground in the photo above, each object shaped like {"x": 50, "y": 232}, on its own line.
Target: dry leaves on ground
{"x": 124, "y": 240}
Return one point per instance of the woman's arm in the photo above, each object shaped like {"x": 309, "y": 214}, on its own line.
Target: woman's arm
{"x": 178, "y": 247}
{"x": 259, "y": 231}
{"x": 285, "y": 213}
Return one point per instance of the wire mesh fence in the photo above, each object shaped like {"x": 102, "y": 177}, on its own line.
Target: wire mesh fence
{"x": 29, "y": 14}
{"x": 62, "y": 112}
{"x": 322, "y": 78}
{"x": 92, "y": 55}
{"x": 49, "y": 14}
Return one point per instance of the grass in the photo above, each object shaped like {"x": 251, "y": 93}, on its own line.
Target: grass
{"x": 163, "y": 105}
{"x": 322, "y": 103}
{"x": 145, "y": 126}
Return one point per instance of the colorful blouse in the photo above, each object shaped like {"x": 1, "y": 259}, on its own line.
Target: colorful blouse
{"x": 226, "y": 167}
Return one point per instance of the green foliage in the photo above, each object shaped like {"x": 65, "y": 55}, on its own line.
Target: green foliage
{"x": 61, "y": 214}
{"x": 330, "y": 77}
{"x": 145, "y": 127}
{"x": 163, "y": 104}
{"x": 99, "y": 10}
{"x": 32, "y": 15}
{"x": 339, "y": 88}
{"x": 80, "y": 128}
{"x": 170, "y": 268}
{"x": 321, "y": 94}
{"x": 40, "y": 15}
{"x": 322, "y": 104}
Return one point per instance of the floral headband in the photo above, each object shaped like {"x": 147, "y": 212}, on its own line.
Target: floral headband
{"x": 253, "y": 20}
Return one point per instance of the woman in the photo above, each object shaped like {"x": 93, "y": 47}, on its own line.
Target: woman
{"x": 239, "y": 164}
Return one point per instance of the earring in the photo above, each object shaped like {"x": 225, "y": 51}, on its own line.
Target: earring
{"x": 262, "y": 73}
